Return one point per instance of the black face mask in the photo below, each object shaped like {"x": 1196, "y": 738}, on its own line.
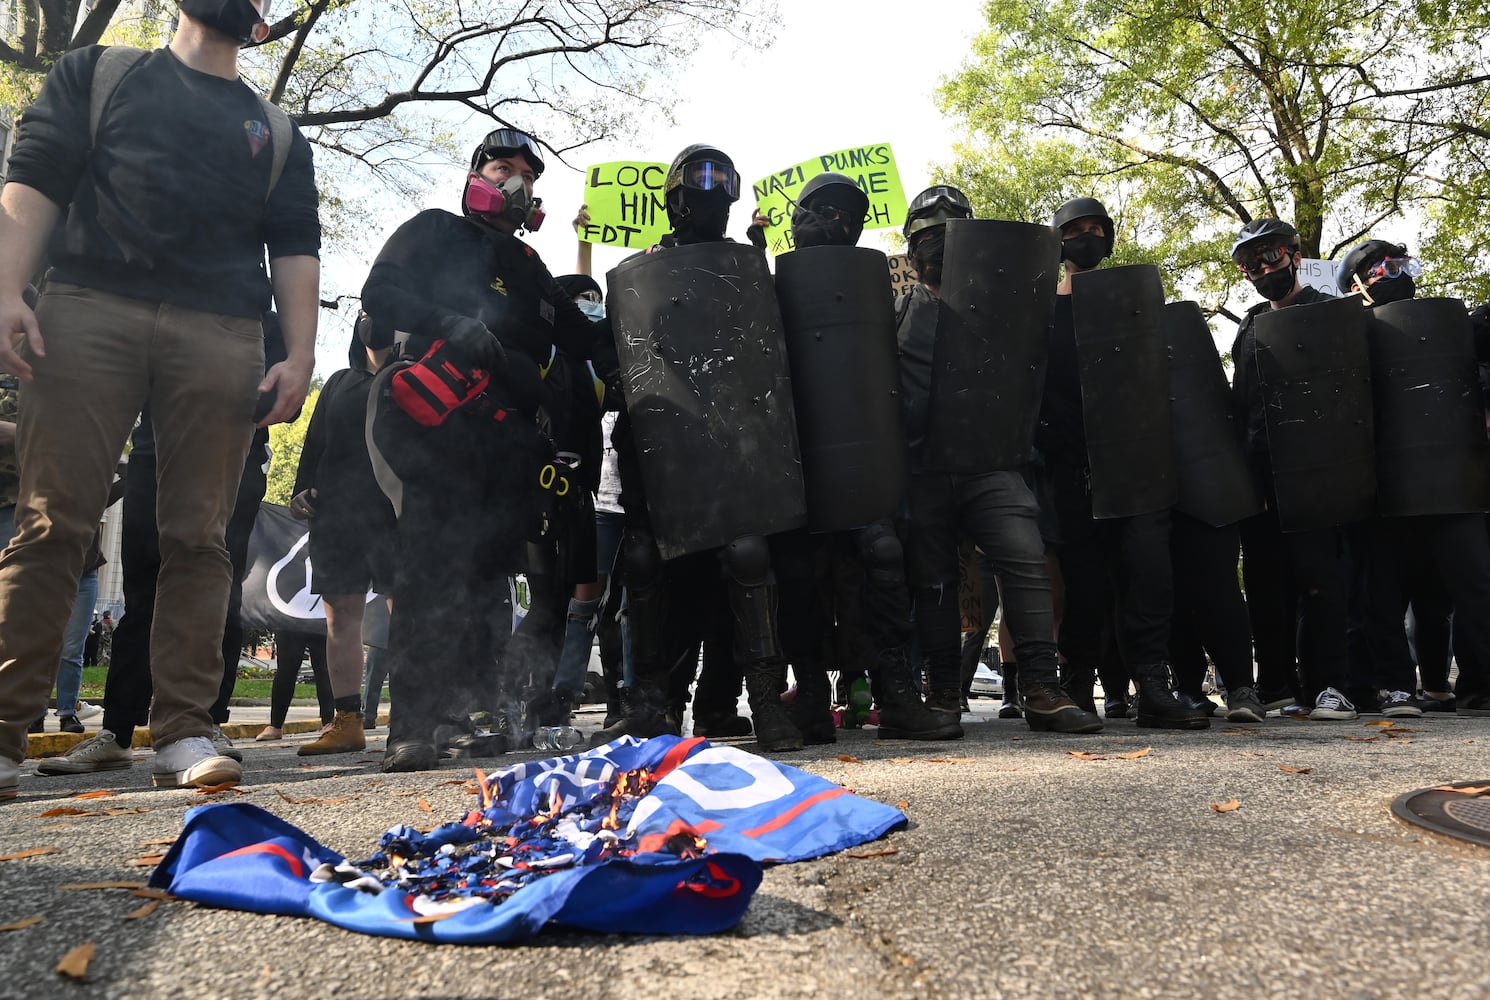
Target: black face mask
{"x": 1393, "y": 290}
{"x": 812, "y": 230}
{"x": 706, "y": 218}
{"x": 1086, "y": 250}
{"x": 927, "y": 255}
{"x": 1277, "y": 284}
{"x": 235, "y": 18}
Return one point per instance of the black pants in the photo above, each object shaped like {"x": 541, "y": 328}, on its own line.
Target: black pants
{"x": 290, "y": 649}
{"x": 128, "y": 688}
{"x": 1210, "y": 615}
{"x": 1119, "y": 566}
{"x": 1404, "y": 555}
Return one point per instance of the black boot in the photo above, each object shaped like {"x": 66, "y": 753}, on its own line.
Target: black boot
{"x": 812, "y": 710}
{"x": 644, "y": 715}
{"x": 774, "y": 729}
{"x": 902, "y": 714}
{"x": 1010, "y": 707}
{"x": 1078, "y": 682}
{"x": 1158, "y": 707}
{"x": 1049, "y": 709}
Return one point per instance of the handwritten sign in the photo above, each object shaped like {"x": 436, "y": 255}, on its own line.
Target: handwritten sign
{"x": 902, "y": 275}
{"x": 871, "y": 167}
{"x": 626, "y": 204}
{"x": 1319, "y": 274}
{"x": 970, "y": 592}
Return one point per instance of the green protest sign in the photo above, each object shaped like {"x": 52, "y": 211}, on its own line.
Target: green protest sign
{"x": 871, "y": 167}
{"x": 625, "y": 204}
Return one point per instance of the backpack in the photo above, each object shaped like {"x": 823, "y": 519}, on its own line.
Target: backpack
{"x": 117, "y": 60}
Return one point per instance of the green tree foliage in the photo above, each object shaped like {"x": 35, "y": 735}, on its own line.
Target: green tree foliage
{"x": 1190, "y": 117}
{"x": 286, "y": 442}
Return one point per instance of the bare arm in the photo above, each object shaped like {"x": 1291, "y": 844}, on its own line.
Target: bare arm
{"x": 27, "y": 218}
{"x": 583, "y": 261}
{"x": 297, "y": 290}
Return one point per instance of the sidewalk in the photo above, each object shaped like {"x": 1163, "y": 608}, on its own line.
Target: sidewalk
{"x": 246, "y": 719}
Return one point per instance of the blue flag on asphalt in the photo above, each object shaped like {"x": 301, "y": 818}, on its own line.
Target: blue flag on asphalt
{"x": 660, "y": 836}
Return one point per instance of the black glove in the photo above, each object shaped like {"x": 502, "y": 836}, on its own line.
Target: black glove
{"x": 472, "y": 341}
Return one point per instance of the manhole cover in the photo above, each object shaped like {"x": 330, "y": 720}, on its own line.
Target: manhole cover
{"x": 1460, "y": 810}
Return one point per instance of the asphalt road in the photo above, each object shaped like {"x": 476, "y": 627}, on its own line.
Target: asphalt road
{"x": 1025, "y": 871}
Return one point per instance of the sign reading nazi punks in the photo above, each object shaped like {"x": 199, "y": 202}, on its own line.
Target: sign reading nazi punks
{"x": 871, "y": 167}
{"x": 625, "y": 203}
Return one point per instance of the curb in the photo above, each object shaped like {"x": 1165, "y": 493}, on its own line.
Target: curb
{"x": 55, "y": 744}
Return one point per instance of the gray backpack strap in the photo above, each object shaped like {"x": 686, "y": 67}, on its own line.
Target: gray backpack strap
{"x": 113, "y": 63}
{"x": 281, "y": 136}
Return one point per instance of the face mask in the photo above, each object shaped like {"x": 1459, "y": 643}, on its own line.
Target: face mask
{"x": 1086, "y": 251}
{"x": 707, "y": 215}
{"x": 1392, "y": 290}
{"x": 1276, "y": 285}
{"x": 928, "y": 253}
{"x": 594, "y": 311}
{"x": 235, "y": 18}
{"x": 490, "y": 202}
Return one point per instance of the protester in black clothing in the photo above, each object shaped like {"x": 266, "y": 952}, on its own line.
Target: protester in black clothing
{"x": 456, "y": 444}
{"x": 290, "y": 650}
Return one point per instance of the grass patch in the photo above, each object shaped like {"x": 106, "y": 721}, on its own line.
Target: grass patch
{"x": 247, "y": 687}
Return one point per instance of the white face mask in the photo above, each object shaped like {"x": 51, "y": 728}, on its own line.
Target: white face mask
{"x": 594, "y": 310}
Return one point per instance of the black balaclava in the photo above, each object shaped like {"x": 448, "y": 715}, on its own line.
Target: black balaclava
{"x": 1277, "y": 284}
{"x": 926, "y": 251}
{"x": 1085, "y": 250}
{"x": 1392, "y": 290}
{"x": 705, "y": 215}
{"x": 235, "y": 18}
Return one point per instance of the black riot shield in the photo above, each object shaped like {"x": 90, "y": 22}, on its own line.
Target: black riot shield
{"x": 704, "y": 371}
{"x": 1316, "y": 376}
{"x": 1215, "y": 482}
{"x": 988, "y": 365}
{"x": 1119, "y": 316}
{"x": 840, "y": 339}
{"x": 1432, "y": 456}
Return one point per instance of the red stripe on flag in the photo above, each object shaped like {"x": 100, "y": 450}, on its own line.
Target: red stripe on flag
{"x": 266, "y": 848}
{"x": 795, "y": 811}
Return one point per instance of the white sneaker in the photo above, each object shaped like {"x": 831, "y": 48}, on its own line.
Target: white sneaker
{"x": 87, "y": 711}
{"x": 10, "y": 778}
{"x": 193, "y": 762}
{"x": 223, "y": 745}
{"x": 1331, "y": 705}
{"x": 97, "y": 753}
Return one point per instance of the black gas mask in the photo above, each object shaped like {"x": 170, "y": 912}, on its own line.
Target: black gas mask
{"x": 238, "y": 19}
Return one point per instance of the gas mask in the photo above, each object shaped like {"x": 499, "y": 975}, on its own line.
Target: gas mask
{"x": 488, "y": 202}
{"x": 1085, "y": 250}
{"x": 238, "y": 19}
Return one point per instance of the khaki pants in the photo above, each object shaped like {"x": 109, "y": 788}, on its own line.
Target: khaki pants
{"x": 108, "y": 357}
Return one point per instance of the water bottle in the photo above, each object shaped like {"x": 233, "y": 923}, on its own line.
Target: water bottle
{"x": 560, "y": 738}
{"x": 860, "y": 700}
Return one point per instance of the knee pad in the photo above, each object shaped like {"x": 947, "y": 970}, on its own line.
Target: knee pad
{"x": 883, "y": 555}
{"x": 641, "y": 562}
{"x": 747, "y": 560}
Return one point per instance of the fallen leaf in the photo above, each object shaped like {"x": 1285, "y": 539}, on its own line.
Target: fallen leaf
{"x": 143, "y": 911}
{"x": 875, "y": 854}
{"x": 290, "y": 800}
{"x": 152, "y": 894}
{"x": 120, "y": 812}
{"x": 1136, "y": 754}
{"x": 20, "y": 925}
{"x": 1231, "y": 805}
{"x": 1085, "y": 755}
{"x": 453, "y": 781}
{"x": 95, "y": 795}
{"x": 1381, "y": 723}
{"x": 949, "y": 760}
{"x": 104, "y": 885}
{"x": 217, "y": 789}
{"x": 425, "y": 806}
{"x": 1464, "y": 790}
{"x": 1295, "y": 770}
{"x": 145, "y": 861}
{"x": 402, "y": 795}
{"x": 75, "y": 963}
{"x": 902, "y": 805}
{"x": 32, "y": 853}
{"x": 1362, "y": 739}
{"x": 157, "y": 843}
{"x": 848, "y": 759}
{"x": 67, "y": 811}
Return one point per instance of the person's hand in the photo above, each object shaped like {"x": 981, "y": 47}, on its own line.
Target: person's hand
{"x": 303, "y": 505}
{"x": 582, "y": 219}
{"x": 289, "y": 381}
{"x": 472, "y": 341}
{"x": 759, "y": 218}
{"x": 18, "y": 326}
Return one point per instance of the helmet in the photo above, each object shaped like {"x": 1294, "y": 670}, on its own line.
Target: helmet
{"x": 1085, "y": 208}
{"x": 1271, "y": 232}
{"x": 1361, "y": 257}
{"x": 934, "y": 206}
{"x": 710, "y": 169}
{"x": 848, "y": 194}
{"x": 508, "y": 142}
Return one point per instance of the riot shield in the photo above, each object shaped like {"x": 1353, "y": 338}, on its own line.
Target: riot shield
{"x": 1316, "y": 376}
{"x": 1119, "y": 317}
{"x": 1215, "y": 481}
{"x": 704, "y": 371}
{"x": 840, "y": 340}
{"x": 988, "y": 365}
{"x": 1432, "y": 456}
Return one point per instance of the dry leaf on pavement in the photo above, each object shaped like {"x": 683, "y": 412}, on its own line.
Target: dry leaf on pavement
{"x": 875, "y": 854}
{"x": 20, "y": 925}
{"x": 1136, "y": 754}
{"x": 1295, "y": 770}
{"x": 1361, "y": 739}
{"x": 75, "y": 963}
{"x": 849, "y": 759}
{"x": 143, "y": 911}
{"x": 95, "y": 795}
{"x": 1084, "y": 755}
{"x": 425, "y": 806}
{"x": 32, "y": 853}
{"x": 1232, "y": 805}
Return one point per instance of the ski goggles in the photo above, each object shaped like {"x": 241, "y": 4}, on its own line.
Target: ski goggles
{"x": 706, "y": 175}
{"x": 1257, "y": 261}
{"x": 508, "y": 142}
{"x": 1391, "y": 267}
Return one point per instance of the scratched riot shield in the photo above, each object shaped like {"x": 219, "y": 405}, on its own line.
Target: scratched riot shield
{"x": 1215, "y": 481}
{"x": 840, "y": 339}
{"x": 1124, "y": 363}
{"x": 704, "y": 371}
{"x": 1316, "y": 380}
{"x": 1432, "y": 456}
{"x": 988, "y": 365}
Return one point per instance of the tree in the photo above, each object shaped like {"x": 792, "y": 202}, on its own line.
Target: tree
{"x": 286, "y": 442}
{"x": 1196, "y": 117}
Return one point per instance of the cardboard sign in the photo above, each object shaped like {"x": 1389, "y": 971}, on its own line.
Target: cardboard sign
{"x": 902, "y": 275}
{"x": 871, "y": 167}
{"x": 970, "y": 592}
{"x": 1319, "y": 274}
{"x": 625, "y": 204}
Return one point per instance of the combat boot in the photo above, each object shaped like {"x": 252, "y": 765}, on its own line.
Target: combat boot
{"x": 1158, "y": 706}
{"x": 644, "y": 715}
{"x": 1049, "y": 709}
{"x": 812, "y": 710}
{"x": 1078, "y": 682}
{"x": 903, "y": 716}
{"x": 343, "y": 735}
{"x": 774, "y": 729}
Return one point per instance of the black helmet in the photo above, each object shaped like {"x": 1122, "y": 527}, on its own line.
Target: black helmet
{"x": 1362, "y": 257}
{"x": 934, "y": 206}
{"x": 1270, "y": 232}
{"x": 848, "y": 194}
{"x": 712, "y": 169}
{"x": 1085, "y": 208}
{"x": 508, "y": 142}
